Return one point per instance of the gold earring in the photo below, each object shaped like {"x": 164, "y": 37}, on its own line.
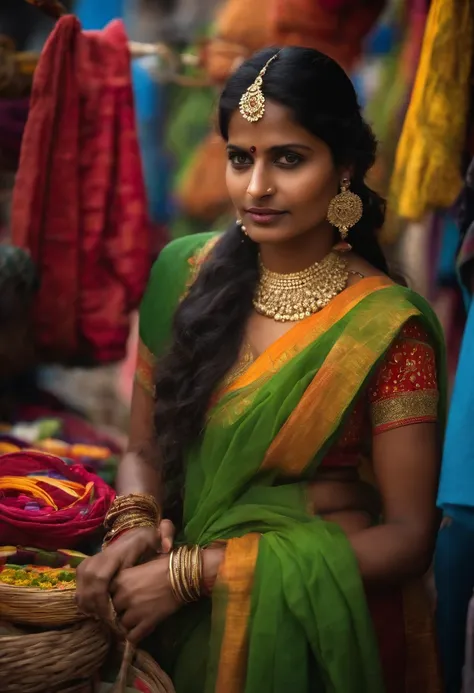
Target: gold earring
{"x": 240, "y": 223}
{"x": 345, "y": 210}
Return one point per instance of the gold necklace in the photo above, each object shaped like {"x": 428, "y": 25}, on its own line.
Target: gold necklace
{"x": 291, "y": 297}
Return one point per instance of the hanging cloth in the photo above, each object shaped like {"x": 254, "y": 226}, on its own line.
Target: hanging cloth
{"x": 335, "y": 27}
{"x": 427, "y": 170}
{"x": 79, "y": 202}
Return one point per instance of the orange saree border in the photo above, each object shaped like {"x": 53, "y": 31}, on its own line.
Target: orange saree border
{"x": 331, "y": 391}
{"x": 145, "y": 368}
{"x": 236, "y": 574}
{"x": 305, "y": 332}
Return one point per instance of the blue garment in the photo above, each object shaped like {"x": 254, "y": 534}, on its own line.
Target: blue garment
{"x": 456, "y": 490}
{"x": 149, "y": 103}
{"x": 95, "y": 14}
{"x": 454, "y": 572}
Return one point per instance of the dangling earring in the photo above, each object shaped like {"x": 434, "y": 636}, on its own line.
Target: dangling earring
{"x": 345, "y": 210}
{"x": 242, "y": 227}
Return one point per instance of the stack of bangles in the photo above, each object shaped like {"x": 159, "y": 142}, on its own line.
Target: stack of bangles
{"x": 186, "y": 573}
{"x": 130, "y": 512}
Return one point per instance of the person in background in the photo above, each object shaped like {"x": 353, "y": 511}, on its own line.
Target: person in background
{"x": 18, "y": 284}
{"x": 454, "y": 564}
{"x": 279, "y": 366}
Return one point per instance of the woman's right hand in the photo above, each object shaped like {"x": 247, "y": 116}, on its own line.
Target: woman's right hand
{"x": 95, "y": 573}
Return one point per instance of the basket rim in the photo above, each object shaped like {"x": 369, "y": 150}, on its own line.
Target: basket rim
{"x": 50, "y": 633}
{"x": 3, "y": 585}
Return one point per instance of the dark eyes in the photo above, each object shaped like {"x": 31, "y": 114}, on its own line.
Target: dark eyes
{"x": 241, "y": 160}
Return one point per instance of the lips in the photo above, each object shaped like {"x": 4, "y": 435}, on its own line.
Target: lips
{"x": 264, "y": 216}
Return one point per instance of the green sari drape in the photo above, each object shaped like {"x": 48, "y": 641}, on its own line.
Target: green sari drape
{"x": 289, "y": 609}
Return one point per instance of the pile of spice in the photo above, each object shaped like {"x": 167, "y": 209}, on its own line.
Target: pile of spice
{"x": 43, "y": 578}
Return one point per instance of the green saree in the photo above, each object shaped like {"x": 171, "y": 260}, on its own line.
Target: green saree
{"x": 289, "y": 609}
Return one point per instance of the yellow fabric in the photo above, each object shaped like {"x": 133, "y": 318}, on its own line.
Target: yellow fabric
{"x": 236, "y": 576}
{"x": 427, "y": 171}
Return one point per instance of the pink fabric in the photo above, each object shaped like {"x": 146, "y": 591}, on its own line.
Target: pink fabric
{"x": 45, "y": 527}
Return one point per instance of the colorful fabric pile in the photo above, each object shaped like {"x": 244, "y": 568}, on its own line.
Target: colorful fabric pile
{"x": 46, "y": 503}
{"x": 60, "y": 436}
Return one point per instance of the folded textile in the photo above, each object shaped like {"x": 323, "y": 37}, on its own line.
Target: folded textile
{"x": 47, "y": 503}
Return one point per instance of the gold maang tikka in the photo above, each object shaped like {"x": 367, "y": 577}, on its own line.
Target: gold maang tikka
{"x": 252, "y": 103}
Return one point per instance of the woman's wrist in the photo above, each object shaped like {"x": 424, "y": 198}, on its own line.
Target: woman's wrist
{"x": 212, "y": 560}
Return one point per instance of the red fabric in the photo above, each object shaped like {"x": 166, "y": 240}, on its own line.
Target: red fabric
{"x": 79, "y": 203}
{"x": 387, "y": 611}
{"x": 334, "y": 27}
{"x": 47, "y": 528}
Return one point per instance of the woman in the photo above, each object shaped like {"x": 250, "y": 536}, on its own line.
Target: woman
{"x": 281, "y": 363}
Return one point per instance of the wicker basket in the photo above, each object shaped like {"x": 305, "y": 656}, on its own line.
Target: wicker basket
{"x": 36, "y": 607}
{"x": 54, "y": 660}
{"x": 148, "y": 670}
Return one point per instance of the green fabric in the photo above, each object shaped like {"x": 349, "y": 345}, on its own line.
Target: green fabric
{"x": 309, "y": 628}
{"x": 166, "y": 286}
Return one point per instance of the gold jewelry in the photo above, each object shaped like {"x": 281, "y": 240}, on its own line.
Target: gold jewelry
{"x": 185, "y": 573}
{"x": 130, "y": 512}
{"x": 252, "y": 103}
{"x": 291, "y": 297}
{"x": 242, "y": 227}
{"x": 345, "y": 210}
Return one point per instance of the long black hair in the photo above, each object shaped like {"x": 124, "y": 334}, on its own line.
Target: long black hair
{"x": 209, "y": 324}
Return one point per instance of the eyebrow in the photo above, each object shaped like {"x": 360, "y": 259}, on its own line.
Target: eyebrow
{"x": 276, "y": 148}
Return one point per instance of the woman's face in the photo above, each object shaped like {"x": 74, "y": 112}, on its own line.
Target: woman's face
{"x": 280, "y": 177}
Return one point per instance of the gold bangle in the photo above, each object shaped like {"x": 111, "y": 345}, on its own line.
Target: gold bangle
{"x": 113, "y": 533}
{"x": 185, "y": 570}
{"x": 172, "y": 577}
{"x": 139, "y": 502}
{"x": 177, "y": 567}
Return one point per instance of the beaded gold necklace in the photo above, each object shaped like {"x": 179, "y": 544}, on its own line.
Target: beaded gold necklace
{"x": 292, "y": 297}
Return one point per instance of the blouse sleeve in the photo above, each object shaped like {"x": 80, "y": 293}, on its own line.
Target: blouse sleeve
{"x": 404, "y": 390}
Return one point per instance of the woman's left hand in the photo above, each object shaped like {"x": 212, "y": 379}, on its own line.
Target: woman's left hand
{"x": 142, "y": 598}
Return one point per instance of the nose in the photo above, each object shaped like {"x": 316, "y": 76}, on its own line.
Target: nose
{"x": 260, "y": 184}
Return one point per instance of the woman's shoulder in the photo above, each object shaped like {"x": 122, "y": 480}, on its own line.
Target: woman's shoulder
{"x": 361, "y": 269}
{"x": 177, "y": 260}
{"x": 186, "y": 247}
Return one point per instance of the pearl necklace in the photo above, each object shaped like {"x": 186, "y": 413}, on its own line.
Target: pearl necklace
{"x": 292, "y": 297}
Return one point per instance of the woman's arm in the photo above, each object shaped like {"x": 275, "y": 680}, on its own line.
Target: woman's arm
{"x": 406, "y": 464}
{"x": 139, "y": 473}
{"x": 139, "y": 469}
